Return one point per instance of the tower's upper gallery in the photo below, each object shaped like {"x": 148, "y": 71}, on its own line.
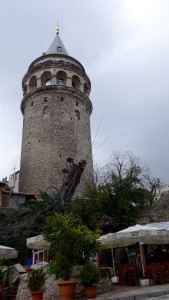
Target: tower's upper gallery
{"x": 56, "y": 70}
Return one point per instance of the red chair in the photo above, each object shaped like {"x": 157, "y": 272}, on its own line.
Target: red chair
{"x": 133, "y": 275}
{"x": 157, "y": 273}
{"x": 122, "y": 274}
{"x": 166, "y": 272}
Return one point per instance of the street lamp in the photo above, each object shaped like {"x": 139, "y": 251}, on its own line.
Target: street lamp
{"x": 55, "y": 195}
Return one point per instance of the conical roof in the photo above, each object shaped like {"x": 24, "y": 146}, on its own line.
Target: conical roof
{"x": 57, "y": 46}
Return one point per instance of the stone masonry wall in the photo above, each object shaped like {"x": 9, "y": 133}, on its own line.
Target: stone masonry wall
{"x": 48, "y": 140}
{"x": 51, "y": 289}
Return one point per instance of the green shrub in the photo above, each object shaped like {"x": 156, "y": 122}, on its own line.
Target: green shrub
{"x": 68, "y": 239}
{"x": 89, "y": 275}
{"x": 36, "y": 280}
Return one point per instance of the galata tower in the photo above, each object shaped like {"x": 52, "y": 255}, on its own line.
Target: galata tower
{"x": 56, "y": 120}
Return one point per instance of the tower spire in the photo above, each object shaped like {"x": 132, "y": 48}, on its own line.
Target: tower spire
{"x": 57, "y": 46}
{"x": 57, "y": 28}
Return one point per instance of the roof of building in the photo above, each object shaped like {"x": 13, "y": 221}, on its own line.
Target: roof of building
{"x": 18, "y": 193}
{"x": 57, "y": 46}
{"x": 3, "y": 182}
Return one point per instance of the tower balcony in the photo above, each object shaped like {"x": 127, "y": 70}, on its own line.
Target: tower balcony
{"x": 59, "y": 89}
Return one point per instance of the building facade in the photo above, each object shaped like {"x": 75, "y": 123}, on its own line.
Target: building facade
{"x": 14, "y": 181}
{"x": 56, "y": 120}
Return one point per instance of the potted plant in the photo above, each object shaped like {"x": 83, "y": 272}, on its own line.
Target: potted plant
{"x": 90, "y": 275}
{"x": 35, "y": 282}
{"x": 68, "y": 239}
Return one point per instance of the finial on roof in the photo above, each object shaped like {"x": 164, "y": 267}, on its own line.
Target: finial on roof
{"x": 57, "y": 28}
{"x": 57, "y": 46}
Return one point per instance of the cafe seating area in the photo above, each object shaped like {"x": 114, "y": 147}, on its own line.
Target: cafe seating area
{"x": 129, "y": 274}
{"x": 156, "y": 273}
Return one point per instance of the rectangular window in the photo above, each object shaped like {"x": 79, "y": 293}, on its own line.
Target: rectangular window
{"x": 39, "y": 256}
{"x": 59, "y": 49}
{"x": 12, "y": 202}
{"x": 21, "y": 200}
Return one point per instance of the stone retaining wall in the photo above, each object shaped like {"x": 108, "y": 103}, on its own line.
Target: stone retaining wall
{"x": 51, "y": 288}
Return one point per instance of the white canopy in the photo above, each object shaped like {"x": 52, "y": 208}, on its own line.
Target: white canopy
{"x": 7, "y": 252}
{"x": 148, "y": 234}
{"x": 37, "y": 242}
{"x": 159, "y": 225}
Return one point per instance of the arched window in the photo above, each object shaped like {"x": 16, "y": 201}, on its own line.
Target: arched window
{"x": 33, "y": 82}
{"x": 75, "y": 82}
{"x": 61, "y": 78}
{"x": 48, "y": 82}
{"x": 60, "y": 82}
{"x": 46, "y": 111}
{"x": 46, "y": 78}
{"x": 77, "y": 114}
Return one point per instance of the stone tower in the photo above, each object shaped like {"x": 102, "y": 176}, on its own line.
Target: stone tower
{"x": 56, "y": 120}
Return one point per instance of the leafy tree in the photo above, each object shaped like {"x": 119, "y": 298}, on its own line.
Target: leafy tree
{"x": 69, "y": 239}
{"x": 16, "y": 225}
{"x": 115, "y": 202}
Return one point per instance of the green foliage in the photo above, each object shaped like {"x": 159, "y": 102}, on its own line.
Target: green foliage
{"x": 35, "y": 204}
{"x": 32, "y": 204}
{"x": 89, "y": 275}
{"x": 88, "y": 208}
{"x": 15, "y": 225}
{"x": 36, "y": 280}
{"x": 69, "y": 239}
{"x": 120, "y": 197}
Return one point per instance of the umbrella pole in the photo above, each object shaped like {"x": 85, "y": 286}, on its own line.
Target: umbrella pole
{"x": 142, "y": 258}
{"x": 112, "y": 253}
{"x": 7, "y": 276}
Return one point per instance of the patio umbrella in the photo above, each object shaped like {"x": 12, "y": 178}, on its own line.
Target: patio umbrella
{"x": 7, "y": 252}
{"x": 37, "y": 242}
{"x": 133, "y": 234}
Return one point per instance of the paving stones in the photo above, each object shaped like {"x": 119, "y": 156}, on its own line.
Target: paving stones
{"x": 160, "y": 292}
{"x": 165, "y": 297}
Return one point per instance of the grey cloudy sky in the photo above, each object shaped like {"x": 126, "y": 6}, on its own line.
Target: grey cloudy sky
{"x": 124, "y": 47}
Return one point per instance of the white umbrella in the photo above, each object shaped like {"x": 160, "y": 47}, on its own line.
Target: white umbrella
{"x": 37, "y": 242}
{"x": 141, "y": 233}
{"x": 7, "y": 252}
{"x": 138, "y": 233}
{"x": 132, "y": 235}
{"x": 159, "y": 225}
